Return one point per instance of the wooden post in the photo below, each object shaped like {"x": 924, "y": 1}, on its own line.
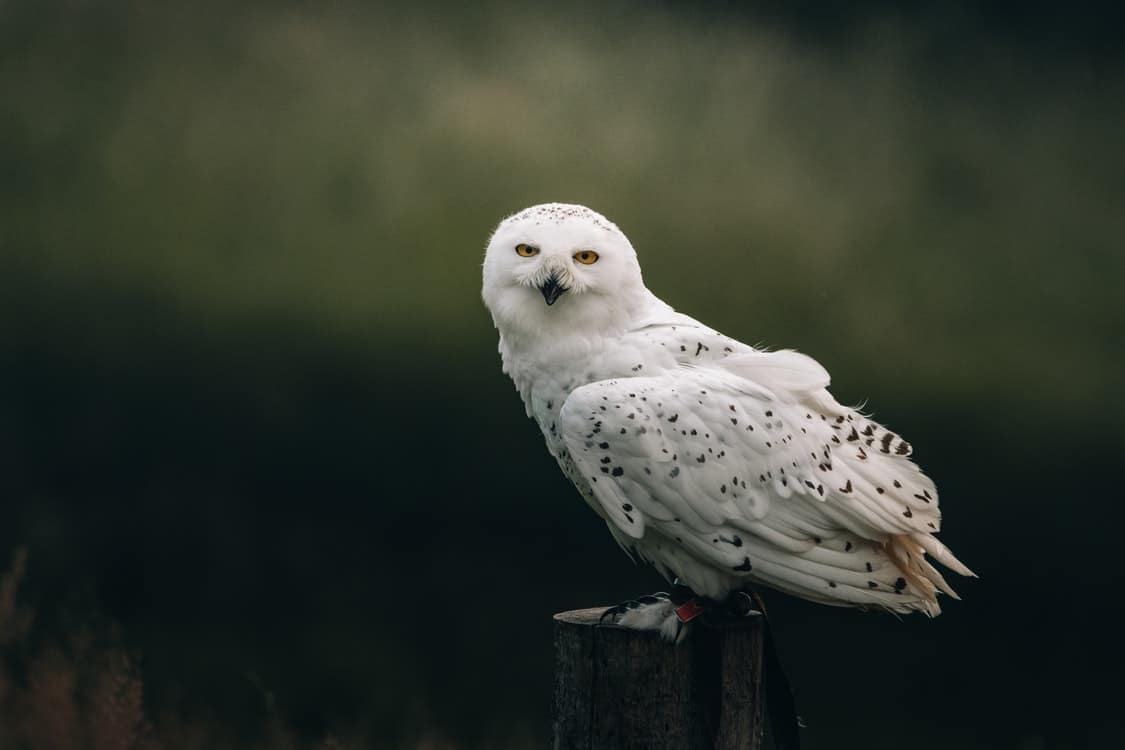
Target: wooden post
{"x": 623, "y": 689}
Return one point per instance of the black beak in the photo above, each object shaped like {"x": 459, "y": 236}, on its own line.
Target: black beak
{"x": 552, "y": 289}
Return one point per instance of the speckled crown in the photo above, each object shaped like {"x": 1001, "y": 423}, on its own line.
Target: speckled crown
{"x": 561, "y": 213}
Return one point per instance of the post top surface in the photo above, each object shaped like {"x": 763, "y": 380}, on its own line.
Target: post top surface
{"x": 592, "y": 617}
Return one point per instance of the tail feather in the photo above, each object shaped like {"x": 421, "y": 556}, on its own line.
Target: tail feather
{"x": 942, "y": 554}
{"x": 908, "y": 553}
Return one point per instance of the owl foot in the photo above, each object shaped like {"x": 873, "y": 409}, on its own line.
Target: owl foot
{"x": 671, "y": 614}
{"x": 739, "y": 605}
{"x": 651, "y": 612}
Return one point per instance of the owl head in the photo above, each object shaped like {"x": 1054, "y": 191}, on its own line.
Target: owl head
{"x": 558, "y": 268}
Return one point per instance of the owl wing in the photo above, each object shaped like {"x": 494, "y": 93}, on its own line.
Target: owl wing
{"x": 774, "y": 483}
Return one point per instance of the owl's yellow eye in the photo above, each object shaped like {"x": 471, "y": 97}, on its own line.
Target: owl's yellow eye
{"x": 586, "y": 257}
{"x": 526, "y": 250}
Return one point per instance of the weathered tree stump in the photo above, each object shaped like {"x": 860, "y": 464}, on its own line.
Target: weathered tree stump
{"x": 622, "y": 689}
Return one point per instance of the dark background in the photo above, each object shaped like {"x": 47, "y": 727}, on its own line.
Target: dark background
{"x": 252, "y": 421}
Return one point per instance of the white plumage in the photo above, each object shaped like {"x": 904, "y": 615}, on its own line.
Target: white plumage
{"x": 720, "y": 464}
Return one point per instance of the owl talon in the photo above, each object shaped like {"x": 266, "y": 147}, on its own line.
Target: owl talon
{"x": 616, "y": 612}
{"x": 612, "y": 614}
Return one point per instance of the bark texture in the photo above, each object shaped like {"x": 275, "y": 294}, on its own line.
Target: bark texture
{"x": 622, "y": 689}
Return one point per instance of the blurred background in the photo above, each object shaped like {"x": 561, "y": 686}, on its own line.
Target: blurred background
{"x": 261, "y": 473}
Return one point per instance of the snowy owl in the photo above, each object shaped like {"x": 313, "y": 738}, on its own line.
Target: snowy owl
{"x": 720, "y": 464}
